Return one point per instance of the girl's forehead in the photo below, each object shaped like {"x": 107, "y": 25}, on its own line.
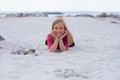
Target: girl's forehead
{"x": 60, "y": 23}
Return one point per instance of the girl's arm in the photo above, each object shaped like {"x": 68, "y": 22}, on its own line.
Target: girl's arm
{"x": 54, "y": 46}
{"x": 61, "y": 43}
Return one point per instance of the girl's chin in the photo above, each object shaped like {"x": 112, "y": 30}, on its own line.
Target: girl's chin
{"x": 59, "y": 34}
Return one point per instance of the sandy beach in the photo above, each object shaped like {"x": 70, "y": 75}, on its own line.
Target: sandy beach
{"x": 96, "y": 55}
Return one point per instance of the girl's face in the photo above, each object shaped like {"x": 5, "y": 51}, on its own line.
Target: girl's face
{"x": 59, "y": 28}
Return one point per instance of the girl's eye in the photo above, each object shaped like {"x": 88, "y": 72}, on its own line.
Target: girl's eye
{"x": 55, "y": 27}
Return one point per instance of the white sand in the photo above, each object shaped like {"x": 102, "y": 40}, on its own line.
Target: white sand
{"x": 96, "y": 55}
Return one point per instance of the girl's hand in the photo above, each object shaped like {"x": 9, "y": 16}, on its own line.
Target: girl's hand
{"x": 54, "y": 34}
{"x": 65, "y": 33}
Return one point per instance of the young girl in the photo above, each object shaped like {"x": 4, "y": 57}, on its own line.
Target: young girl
{"x": 60, "y": 38}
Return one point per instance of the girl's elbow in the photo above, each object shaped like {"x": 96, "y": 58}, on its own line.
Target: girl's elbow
{"x": 51, "y": 50}
{"x": 64, "y": 49}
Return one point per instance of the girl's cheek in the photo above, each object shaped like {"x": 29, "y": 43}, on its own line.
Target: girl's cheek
{"x": 64, "y": 31}
{"x": 54, "y": 31}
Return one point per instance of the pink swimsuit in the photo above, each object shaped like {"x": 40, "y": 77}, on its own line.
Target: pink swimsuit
{"x": 50, "y": 42}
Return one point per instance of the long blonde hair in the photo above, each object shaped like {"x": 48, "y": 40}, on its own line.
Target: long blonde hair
{"x": 69, "y": 35}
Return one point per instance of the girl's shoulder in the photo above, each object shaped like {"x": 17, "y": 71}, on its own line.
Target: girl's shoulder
{"x": 49, "y": 35}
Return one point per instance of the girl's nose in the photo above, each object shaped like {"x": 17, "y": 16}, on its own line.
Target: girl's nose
{"x": 58, "y": 30}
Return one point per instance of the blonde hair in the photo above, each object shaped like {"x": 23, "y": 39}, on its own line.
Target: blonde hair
{"x": 69, "y": 35}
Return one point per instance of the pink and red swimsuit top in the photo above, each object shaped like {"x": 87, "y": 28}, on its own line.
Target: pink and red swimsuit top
{"x": 50, "y": 41}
